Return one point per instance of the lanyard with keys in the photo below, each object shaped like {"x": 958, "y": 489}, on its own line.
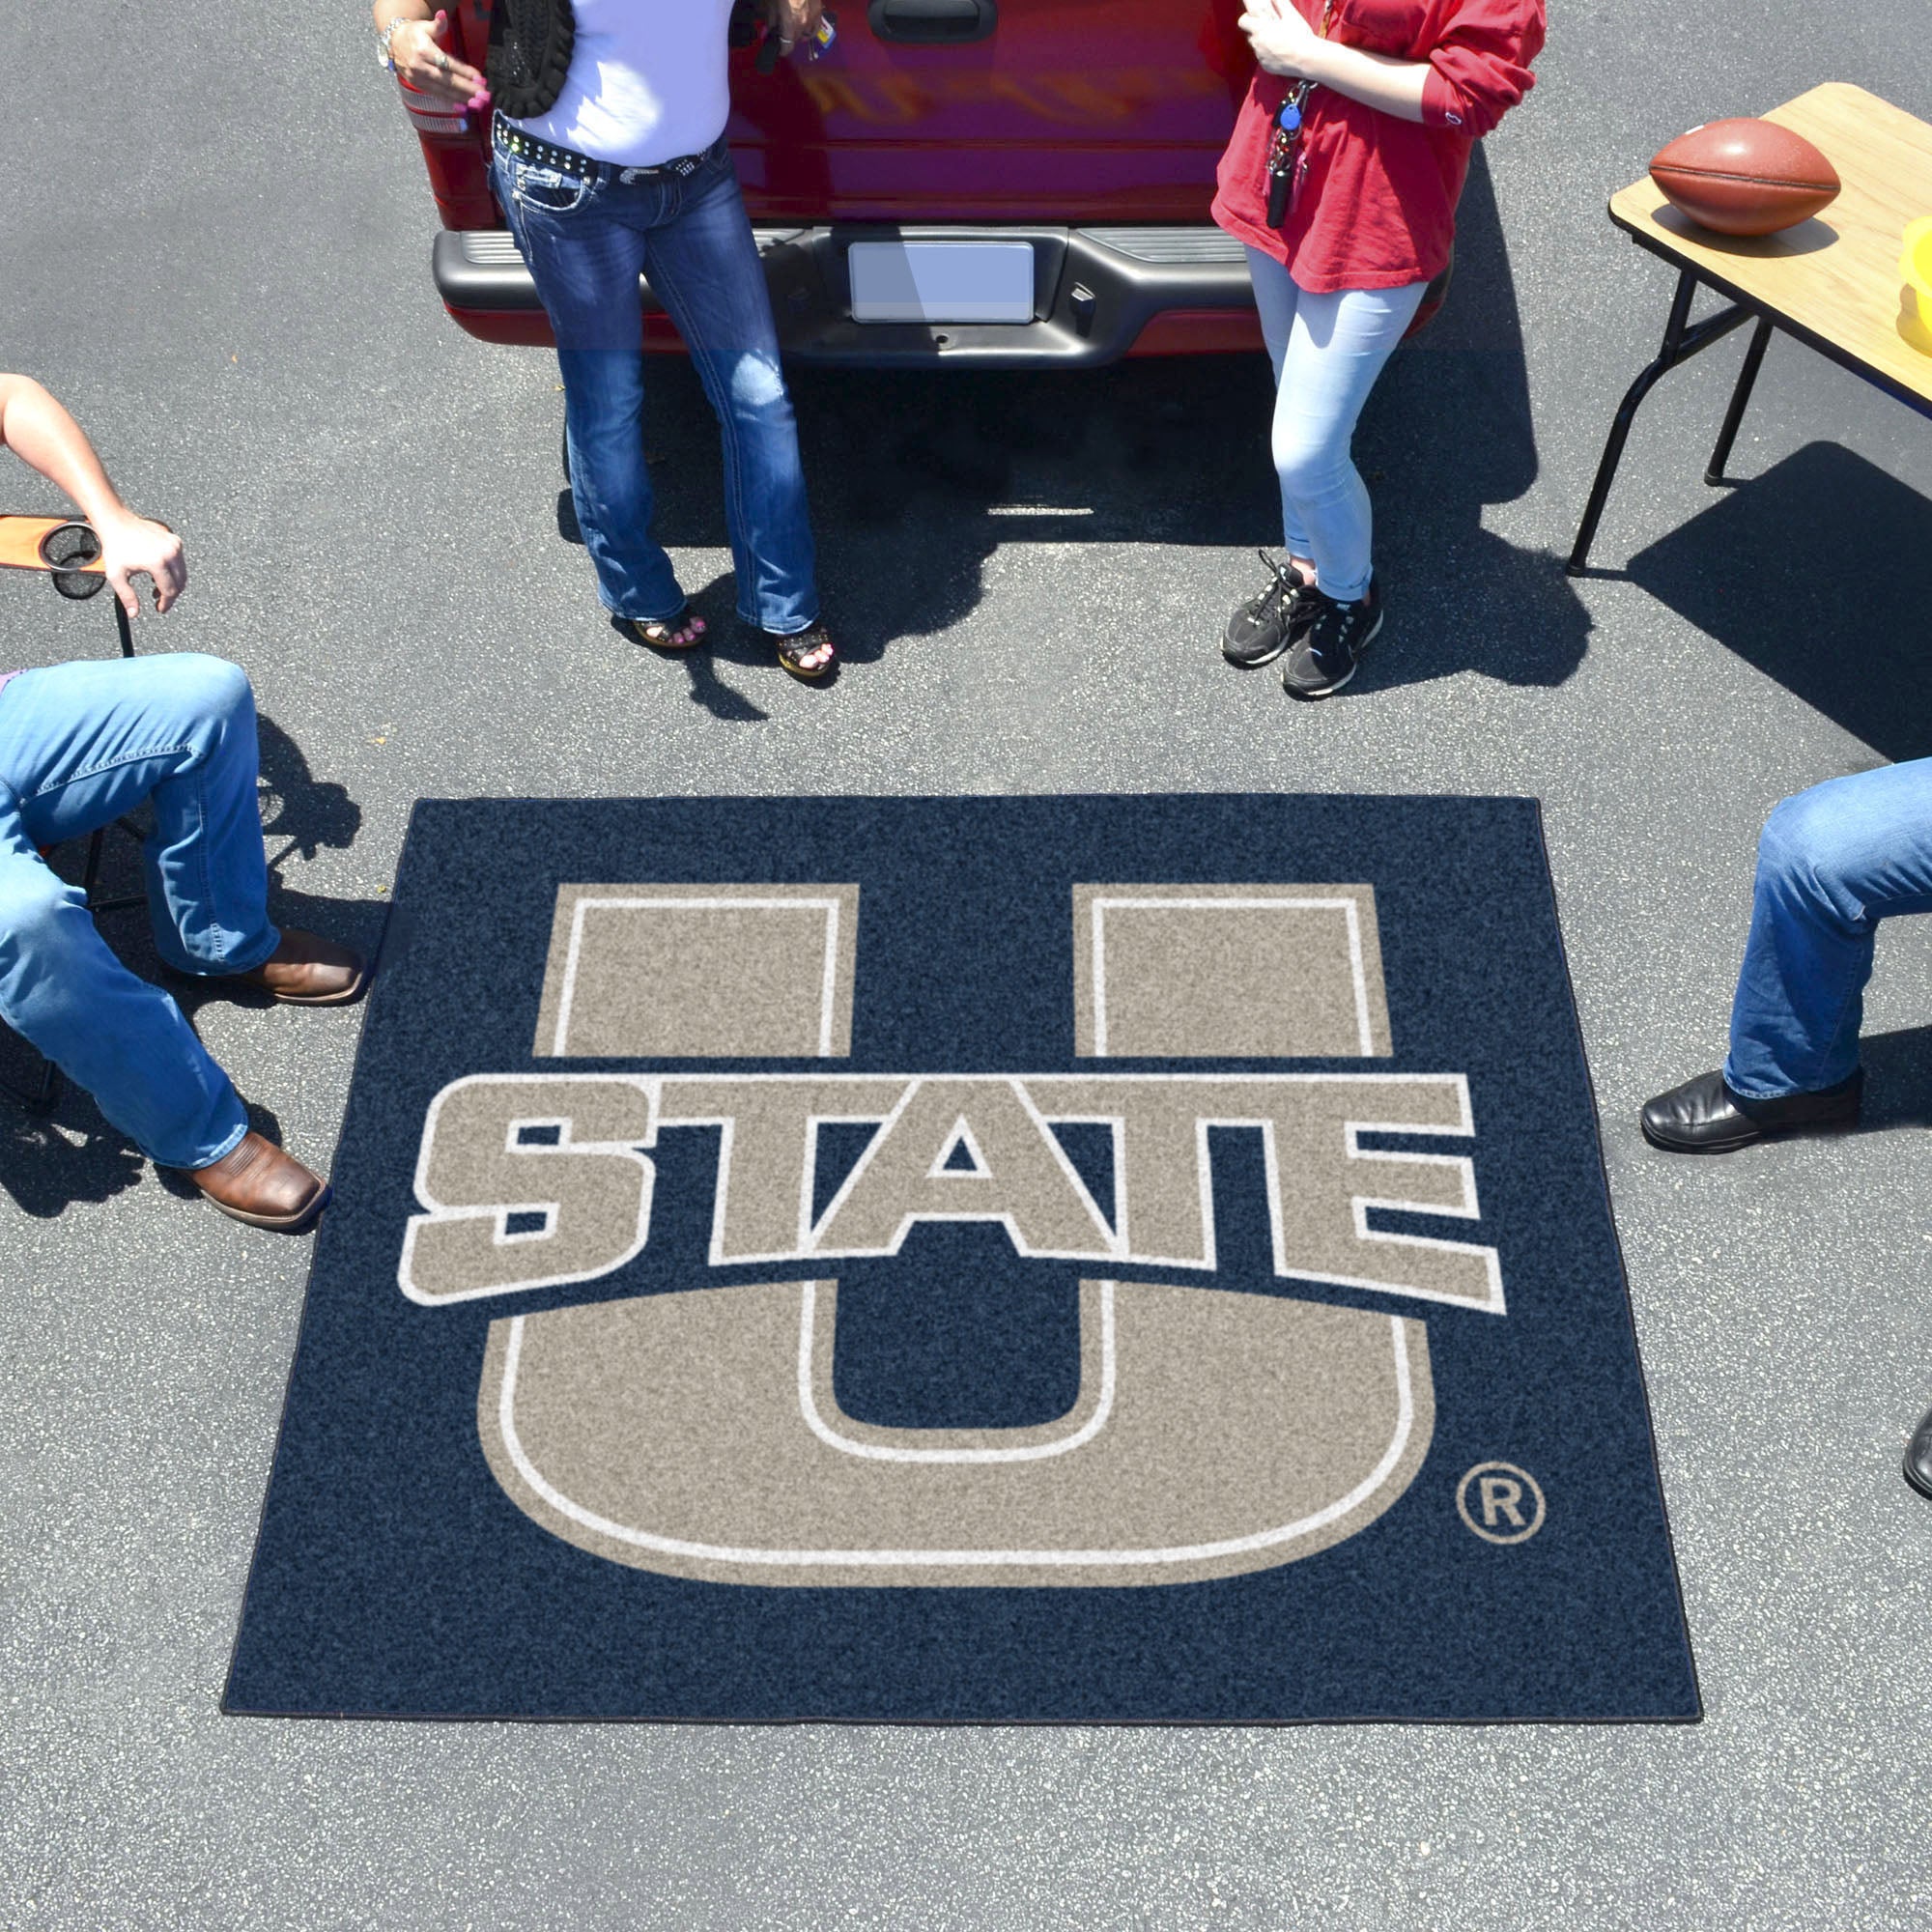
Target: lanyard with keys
{"x": 1287, "y": 137}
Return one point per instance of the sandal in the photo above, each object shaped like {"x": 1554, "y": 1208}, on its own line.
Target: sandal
{"x": 661, "y": 632}
{"x": 793, "y": 649}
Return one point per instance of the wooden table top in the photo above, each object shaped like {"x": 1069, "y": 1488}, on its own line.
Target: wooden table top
{"x": 1834, "y": 279}
{"x": 20, "y": 539}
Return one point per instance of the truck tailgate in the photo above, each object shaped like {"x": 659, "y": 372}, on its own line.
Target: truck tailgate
{"x": 1053, "y": 110}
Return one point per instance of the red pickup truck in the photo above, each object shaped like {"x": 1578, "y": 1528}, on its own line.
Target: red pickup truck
{"x": 1060, "y": 152}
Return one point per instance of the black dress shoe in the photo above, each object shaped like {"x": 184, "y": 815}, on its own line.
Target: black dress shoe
{"x": 1704, "y": 1116}
{"x": 1919, "y": 1456}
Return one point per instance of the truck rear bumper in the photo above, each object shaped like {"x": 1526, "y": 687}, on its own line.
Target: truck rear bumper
{"x": 1097, "y": 290}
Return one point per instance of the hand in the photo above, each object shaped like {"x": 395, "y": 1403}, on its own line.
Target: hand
{"x": 421, "y": 52}
{"x": 131, "y": 547}
{"x": 794, "y": 21}
{"x": 1284, "y": 42}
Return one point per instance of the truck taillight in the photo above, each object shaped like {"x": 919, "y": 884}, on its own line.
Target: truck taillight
{"x": 430, "y": 116}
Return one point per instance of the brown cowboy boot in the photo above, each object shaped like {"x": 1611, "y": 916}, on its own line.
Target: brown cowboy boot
{"x": 306, "y": 970}
{"x": 255, "y": 1181}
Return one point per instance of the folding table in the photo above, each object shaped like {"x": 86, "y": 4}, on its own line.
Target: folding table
{"x": 1832, "y": 282}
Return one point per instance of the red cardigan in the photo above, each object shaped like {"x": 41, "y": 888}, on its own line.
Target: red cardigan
{"x": 1375, "y": 197}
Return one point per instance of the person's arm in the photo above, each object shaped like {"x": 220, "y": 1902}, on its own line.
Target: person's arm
{"x": 419, "y": 47}
{"x": 45, "y": 438}
{"x": 1470, "y": 81}
{"x": 1285, "y": 44}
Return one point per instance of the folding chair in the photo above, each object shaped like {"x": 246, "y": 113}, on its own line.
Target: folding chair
{"x": 68, "y": 553}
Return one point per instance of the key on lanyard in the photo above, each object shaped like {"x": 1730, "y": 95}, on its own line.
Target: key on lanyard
{"x": 1287, "y": 134}
{"x": 1281, "y": 151}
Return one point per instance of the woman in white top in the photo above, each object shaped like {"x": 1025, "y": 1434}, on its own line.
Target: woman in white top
{"x": 610, "y": 161}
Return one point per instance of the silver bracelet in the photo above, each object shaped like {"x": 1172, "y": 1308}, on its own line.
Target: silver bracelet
{"x": 388, "y": 33}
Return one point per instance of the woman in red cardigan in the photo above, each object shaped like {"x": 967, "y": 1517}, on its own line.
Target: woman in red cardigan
{"x": 1342, "y": 179}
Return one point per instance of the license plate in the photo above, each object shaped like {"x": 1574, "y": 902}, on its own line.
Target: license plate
{"x": 941, "y": 281}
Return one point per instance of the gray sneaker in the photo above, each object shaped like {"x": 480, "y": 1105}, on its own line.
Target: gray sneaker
{"x": 1326, "y": 653}
{"x": 1265, "y": 626}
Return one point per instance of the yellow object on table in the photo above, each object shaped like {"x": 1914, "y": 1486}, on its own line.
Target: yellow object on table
{"x": 1915, "y": 268}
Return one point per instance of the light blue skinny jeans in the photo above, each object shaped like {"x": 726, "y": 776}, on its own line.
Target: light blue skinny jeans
{"x": 1327, "y": 352}
{"x": 81, "y": 743}
{"x": 587, "y": 242}
{"x": 1831, "y": 862}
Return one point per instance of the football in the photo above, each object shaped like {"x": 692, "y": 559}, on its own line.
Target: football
{"x": 1745, "y": 177}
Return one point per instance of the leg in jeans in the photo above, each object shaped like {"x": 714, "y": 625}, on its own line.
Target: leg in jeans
{"x": 586, "y": 267}
{"x": 1276, "y": 296}
{"x": 704, "y": 265}
{"x": 585, "y": 247}
{"x": 1831, "y": 862}
{"x": 1327, "y": 351}
{"x": 81, "y": 743}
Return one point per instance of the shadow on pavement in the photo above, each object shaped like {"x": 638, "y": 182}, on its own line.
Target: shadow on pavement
{"x": 1447, "y": 433}
{"x": 1898, "y": 1079}
{"x": 918, "y": 477}
{"x": 1851, "y": 640}
{"x": 726, "y": 637}
{"x": 48, "y": 1164}
{"x": 307, "y": 811}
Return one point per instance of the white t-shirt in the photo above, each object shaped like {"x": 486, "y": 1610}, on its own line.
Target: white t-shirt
{"x": 646, "y": 81}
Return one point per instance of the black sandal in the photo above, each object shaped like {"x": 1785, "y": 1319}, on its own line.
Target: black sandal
{"x": 793, "y": 649}
{"x": 661, "y": 632}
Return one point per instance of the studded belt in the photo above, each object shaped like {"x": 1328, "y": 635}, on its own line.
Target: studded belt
{"x": 567, "y": 160}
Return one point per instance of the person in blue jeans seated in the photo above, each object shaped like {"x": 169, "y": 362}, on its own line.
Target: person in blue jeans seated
{"x": 1833, "y": 862}
{"x": 82, "y": 744}
{"x": 609, "y": 161}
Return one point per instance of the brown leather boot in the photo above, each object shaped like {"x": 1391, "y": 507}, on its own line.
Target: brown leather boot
{"x": 257, "y": 1183}
{"x": 306, "y": 970}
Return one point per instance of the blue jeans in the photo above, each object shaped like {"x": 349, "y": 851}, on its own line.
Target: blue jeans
{"x": 1831, "y": 862}
{"x": 587, "y": 242}
{"x": 81, "y": 743}
{"x": 1327, "y": 352}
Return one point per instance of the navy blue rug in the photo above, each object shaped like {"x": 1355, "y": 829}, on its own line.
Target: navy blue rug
{"x": 1139, "y": 1259}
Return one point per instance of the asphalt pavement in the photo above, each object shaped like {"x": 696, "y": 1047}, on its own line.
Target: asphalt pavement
{"x": 213, "y": 245}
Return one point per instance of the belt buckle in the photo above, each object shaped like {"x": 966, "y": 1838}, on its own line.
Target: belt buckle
{"x": 631, "y": 175}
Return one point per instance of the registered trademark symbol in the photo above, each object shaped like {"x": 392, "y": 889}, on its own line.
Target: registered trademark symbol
{"x": 1500, "y": 1502}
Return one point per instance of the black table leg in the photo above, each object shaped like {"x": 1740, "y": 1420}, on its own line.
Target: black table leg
{"x": 1682, "y": 340}
{"x": 1740, "y": 396}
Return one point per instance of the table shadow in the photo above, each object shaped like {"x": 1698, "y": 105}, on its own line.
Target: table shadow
{"x": 1814, "y": 572}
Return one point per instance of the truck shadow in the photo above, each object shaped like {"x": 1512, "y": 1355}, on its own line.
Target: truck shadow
{"x": 49, "y": 1161}
{"x": 917, "y": 477}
